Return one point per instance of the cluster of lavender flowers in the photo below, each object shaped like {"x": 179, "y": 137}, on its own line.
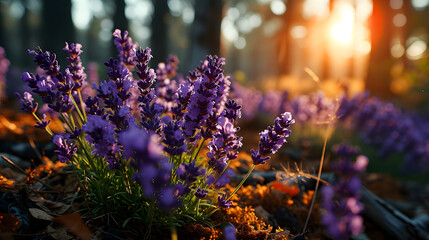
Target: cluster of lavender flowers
{"x": 389, "y": 129}
{"x": 341, "y": 198}
{"x": 147, "y": 126}
{"x": 314, "y": 108}
{"x": 4, "y": 66}
{"x": 380, "y": 124}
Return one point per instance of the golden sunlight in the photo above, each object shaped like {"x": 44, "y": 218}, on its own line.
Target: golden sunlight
{"x": 343, "y": 19}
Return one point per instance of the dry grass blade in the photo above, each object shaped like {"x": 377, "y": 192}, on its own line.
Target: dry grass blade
{"x": 24, "y": 172}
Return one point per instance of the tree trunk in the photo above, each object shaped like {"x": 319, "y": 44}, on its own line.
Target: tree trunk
{"x": 57, "y": 26}
{"x": 285, "y": 42}
{"x": 380, "y": 61}
{"x": 158, "y": 40}
{"x": 205, "y": 31}
{"x": 120, "y": 22}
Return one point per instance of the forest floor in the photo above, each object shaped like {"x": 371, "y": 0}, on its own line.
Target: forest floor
{"x": 39, "y": 199}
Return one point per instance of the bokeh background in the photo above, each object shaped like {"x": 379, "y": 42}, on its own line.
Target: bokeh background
{"x": 380, "y": 46}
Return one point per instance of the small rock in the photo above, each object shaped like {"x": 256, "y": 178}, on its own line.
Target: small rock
{"x": 268, "y": 176}
{"x": 285, "y": 219}
{"x": 251, "y": 180}
{"x": 260, "y": 212}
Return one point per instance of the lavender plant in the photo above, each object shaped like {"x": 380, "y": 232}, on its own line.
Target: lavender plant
{"x": 136, "y": 143}
{"x": 341, "y": 199}
{"x": 4, "y": 67}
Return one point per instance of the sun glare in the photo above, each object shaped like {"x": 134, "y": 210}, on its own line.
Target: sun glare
{"x": 343, "y": 23}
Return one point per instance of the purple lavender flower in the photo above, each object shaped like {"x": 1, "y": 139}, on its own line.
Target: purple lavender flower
{"x": 189, "y": 172}
{"x": 229, "y": 232}
{"x": 199, "y": 107}
{"x": 341, "y": 200}
{"x": 172, "y": 66}
{"x": 145, "y": 74}
{"x": 101, "y": 135}
{"x": 223, "y": 203}
{"x": 173, "y": 137}
{"x": 43, "y": 123}
{"x": 224, "y": 179}
{"x": 271, "y": 102}
{"x": 232, "y": 111}
{"x": 65, "y": 83}
{"x": 47, "y": 61}
{"x": 66, "y": 151}
{"x": 122, "y": 118}
{"x": 27, "y": 102}
{"x": 75, "y": 133}
{"x": 345, "y": 151}
{"x": 222, "y": 93}
{"x": 150, "y": 113}
{"x": 75, "y": 66}
{"x": 4, "y": 66}
{"x": 167, "y": 198}
{"x": 197, "y": 72}
{"x": 63, "y": 104}
{"x": 184, "y": 93}
{"x": 224, "y": 145}
{"x": 209, "y": 89}
{"x": 115, "y": 94}
{"x": 88, "y": 89}
{"x": 272, "y": 138}
{"x": 166, "y": 87}
{"x": 249, "y": 98}
{"x": 153, "y": 169}
{"x": 141, "y": 147}
{"x": 93, "y": 107}
{"x": 201, "y": 193}
{"x": 126, "y": 47}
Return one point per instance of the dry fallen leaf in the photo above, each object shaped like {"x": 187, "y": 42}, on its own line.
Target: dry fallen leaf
{"x": 74, "y": 224}
{"x": 50, "y": 207}
{"x": 40, "y": 214}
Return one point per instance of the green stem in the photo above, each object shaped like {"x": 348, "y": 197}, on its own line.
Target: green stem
{"x": 82, "y": 105}
{"x": 72, "y": 121}
{"x": 212, "y": 203}
{"x": 65, "y": 121}
{"x": 242, "y": 181}
{"x": 88, "y": 156}
{"x": 198, "y": 206}
{"x": 77, "y": 108}
{"x": 199, "y": 149}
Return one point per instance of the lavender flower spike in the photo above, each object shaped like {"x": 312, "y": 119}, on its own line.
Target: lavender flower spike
{"x": 341, "y": 199}
{"x": 27, "y": 102}
{"x": 43, "y": 123}
{"x": 272, "y": 138}
{"x": 66, "y": 151}
{"x": 126, "y": 47}
{"x": 75, "y": 66}
{"x": 223, "y": 202}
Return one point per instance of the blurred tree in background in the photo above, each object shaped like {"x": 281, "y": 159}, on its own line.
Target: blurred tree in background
{"x": 267, "y": 43}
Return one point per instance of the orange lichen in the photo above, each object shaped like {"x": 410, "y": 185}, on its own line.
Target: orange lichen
{"x": 5, "y": 182}
{"x": 248, "y": 225}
